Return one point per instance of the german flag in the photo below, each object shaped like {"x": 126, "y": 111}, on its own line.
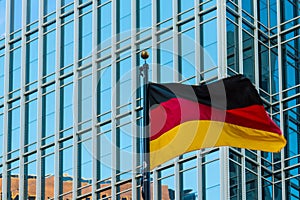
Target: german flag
{"x": 228, "y": 112}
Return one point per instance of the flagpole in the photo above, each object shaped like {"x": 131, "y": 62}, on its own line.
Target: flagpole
{"x": 146, "y": 145}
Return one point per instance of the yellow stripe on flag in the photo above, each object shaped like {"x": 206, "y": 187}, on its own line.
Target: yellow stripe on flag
{"x": 194, "y": 135}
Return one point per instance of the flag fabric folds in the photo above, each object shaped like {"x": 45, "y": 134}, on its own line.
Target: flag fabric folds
{"x": 228, "y": 112}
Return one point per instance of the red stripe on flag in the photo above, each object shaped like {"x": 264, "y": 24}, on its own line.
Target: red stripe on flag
{"x": 175, "y": 111}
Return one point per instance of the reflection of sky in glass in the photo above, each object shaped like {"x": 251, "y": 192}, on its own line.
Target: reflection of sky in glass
{"x": 2, "y": 18}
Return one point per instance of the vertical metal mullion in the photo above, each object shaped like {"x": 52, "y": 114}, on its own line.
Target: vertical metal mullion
{"x": 6, "y": 90}
{"x": 280, "y": 74}
{"x": 39, "y": 100}
{"x": 175, "y": 42}
{"x": 241, "y": 71}
{"x": 256, "y": 75}
{"x": 154, "y": 67}
{"x": 198, "y": 79}
{"x": 256, "y": 64}
{"x": 94, "y": 100}
{"x": 57, "y": 102}
{"x": 243, "y": 170}
{"x": 197, "y": 45}
{"x": 75, "y": 100}
{"x": 200, "y": 175}
{"x": 114, "y": 103}
{"x": 22, "y": 105}
{"x": 222, "y": 73}
{"x": 240, "y": 32}
{"x": 176, "y": 79}
{"x": 222, "y": 44}
{"x": 134, "y": 76}
{"x": 154, "y": 42}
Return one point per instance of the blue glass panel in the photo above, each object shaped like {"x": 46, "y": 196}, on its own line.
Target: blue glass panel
{"x": 144, "y": 14}
{"x": 85, "y": 99}
{"x": 30, "y": 175}
{"x": 273, "y": 13}
{"x": 248, "y": 56}
{"x": 67, "y": 49}
{"x": 164, "y": 10}
{"x": 289, "y": 10}
{"x": 104, "y": 32}
{"x": 124, "y": 14}
{"x": 49, "y": 6}
{"x": 31, "y": 122}
{"x": 1, "y": 135}
{"x": 263, "y": 58}
{"x": 85, "y": 163}
{"x": 85, "y": 35}
{"x": 208, "y": 39}
{"x": 2, "y": 18}
{"x": 263, "y": 12}
{"x": 124, "y": 81}
{"x": 232, "y": 46}
{"x": 66, "y": 2}
{"x": 14, "y": 129}
{"x": 189, "y": 184}
{"x": 47, "y": 176}
{"x": 16, "y": 15}
{"x": 32, "y": 11}
{"x": 212, "y": 180}
{"x": 166, "y": 187}
{"x": 66, "y": 168}
{"x": 185, "y": 5}
{"x": 49, "y": 53}
{"x": 274, "y": 71}
{"x": 187, "y": 54}
{"x": 124, "y": 140}
{"x": 66, "y": 110}
{"x": 105, "y": 85}
{"x": 248, "y": 6}
{"x": 165, "y": 59}
{"x": 15, "y": 69}
{"x": 32, "y": 61}
{"x": 105, "y": 155}
{"x": 1, "y": 76}
{"x": 49, "y": 114}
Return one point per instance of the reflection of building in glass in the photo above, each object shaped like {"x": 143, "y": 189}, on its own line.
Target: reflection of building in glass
{"x": 67, "y": 184}
{"x": 70, "y": 101}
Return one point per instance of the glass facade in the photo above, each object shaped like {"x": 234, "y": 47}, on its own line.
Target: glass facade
{"x": 71, "y": 106}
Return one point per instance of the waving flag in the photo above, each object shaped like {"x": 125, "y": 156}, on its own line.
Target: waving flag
{"x": 228, "y": 112}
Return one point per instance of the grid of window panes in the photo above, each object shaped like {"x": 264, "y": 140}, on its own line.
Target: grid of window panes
{"x": 70, "y": 97}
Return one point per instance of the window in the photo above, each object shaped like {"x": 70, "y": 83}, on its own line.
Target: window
{"x": 85, "y": 36}
{"x": 16, "y": 15}
{"x": 32, "y": 61}
{"x": 48, "y": 114}
{"x": 47, "y": 172}
{"x": 66, "y": 166}
{"x": 30, "y": 175}
{"x": 66, "y": 104}
{"x": 15, "y": 67}
{"x": 32, "y": 11}
{"x": 85, "y": 98}
{"x": 14, "y": 129}
{"x": 31, "y": 122}
{"x": 67, "y": 44}
{"x": 84, "y": 163}
{"x": 2, "y": 16}
{"x": 49, "y": 57}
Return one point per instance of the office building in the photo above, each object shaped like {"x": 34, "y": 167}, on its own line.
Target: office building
{"x": 71, "y": 103}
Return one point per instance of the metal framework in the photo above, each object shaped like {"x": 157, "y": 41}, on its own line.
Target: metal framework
{"x": 157, "y": 35}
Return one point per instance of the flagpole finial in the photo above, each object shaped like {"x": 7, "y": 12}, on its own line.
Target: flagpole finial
{"x": 145, "y": 54}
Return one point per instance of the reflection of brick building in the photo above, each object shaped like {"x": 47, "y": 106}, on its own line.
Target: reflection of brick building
{"x": 49, "y": 192}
